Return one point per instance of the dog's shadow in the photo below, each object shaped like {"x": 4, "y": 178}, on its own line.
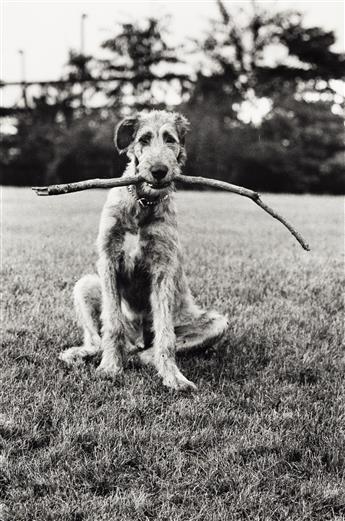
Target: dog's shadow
{"x": 229, "y": 359}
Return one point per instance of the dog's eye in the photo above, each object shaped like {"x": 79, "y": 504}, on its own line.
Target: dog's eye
{"x": 145, "y": 139}
{"x": 168, "y": 138}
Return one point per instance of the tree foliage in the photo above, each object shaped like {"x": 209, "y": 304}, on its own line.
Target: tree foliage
{"x": 262, "y": 54}
{"x": 141, "y": 54}
{"x": 293, "y": 146}
{"x": 246, "y": 59}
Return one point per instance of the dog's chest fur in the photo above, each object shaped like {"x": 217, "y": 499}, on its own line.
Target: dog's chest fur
{"x": 134, "y": 277}
{"x": 132, "y": 250}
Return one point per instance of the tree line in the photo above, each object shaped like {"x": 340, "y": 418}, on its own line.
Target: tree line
{"x": 252, "y": 65}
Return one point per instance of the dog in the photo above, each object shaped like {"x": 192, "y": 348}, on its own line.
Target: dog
{"x": 140, "y": 300}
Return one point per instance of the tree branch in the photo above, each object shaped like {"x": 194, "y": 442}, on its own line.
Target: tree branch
{"x": 86, "y": 185}
{"x": 201, "y": 181}
{"x": 222, "y": 185}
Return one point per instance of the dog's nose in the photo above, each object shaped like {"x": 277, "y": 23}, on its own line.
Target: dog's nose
{"x": 159, "y": 171}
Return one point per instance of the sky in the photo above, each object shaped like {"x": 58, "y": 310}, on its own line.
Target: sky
{"x": 46, "y": 30}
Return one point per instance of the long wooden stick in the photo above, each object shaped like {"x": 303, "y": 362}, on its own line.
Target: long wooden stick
{"x": 204, "y": 181}
{"x": 86, "y": 185}
{"x": 191, "y": 180}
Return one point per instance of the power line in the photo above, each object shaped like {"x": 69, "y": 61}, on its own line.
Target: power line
{"x": 165, "y": 77}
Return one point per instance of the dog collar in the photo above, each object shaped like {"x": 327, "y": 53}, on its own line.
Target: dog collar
{"x": 143, "y": 201}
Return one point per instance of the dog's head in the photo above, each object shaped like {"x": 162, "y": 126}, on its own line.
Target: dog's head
{"x": 155, "y": 143}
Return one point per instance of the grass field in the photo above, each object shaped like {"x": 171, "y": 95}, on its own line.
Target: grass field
{"x": 264, "y": 436}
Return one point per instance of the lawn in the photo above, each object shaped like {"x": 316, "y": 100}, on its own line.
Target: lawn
{"x": 263, "y": 438}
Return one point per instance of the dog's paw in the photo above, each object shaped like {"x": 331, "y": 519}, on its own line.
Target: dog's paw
{"x": 175, "y": 380}
{"x": 70, "y": 356}
{"x": 109, "y": 370}
{"x": 147, "y": 357}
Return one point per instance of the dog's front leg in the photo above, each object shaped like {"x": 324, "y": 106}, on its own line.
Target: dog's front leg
{"x": 113, "y": 331}
{"x": 162, "y": 303}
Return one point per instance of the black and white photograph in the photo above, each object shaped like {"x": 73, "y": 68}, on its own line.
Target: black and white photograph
{"x": 172, "y": 260}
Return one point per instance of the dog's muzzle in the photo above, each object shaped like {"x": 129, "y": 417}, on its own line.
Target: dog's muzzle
{"x": 159, "y": 171}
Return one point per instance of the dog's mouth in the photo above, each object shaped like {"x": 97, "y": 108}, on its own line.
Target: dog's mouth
{"x": 158, "y": 186}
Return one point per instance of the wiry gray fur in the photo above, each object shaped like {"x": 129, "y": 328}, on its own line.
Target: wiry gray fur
{"x": 141, "y": 296}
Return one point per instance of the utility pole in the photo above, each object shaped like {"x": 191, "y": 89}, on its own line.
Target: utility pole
{"x": 23, "y": 75}
{"x": 82, "y": 54}
{"x": 82, "y": 33}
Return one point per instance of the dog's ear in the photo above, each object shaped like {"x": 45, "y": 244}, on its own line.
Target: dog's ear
{"x": 125, "y": 133}
{"x": 182, "y": 126}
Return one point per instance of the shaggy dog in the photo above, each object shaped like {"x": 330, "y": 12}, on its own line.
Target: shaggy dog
{"x": 140, "y": 299}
